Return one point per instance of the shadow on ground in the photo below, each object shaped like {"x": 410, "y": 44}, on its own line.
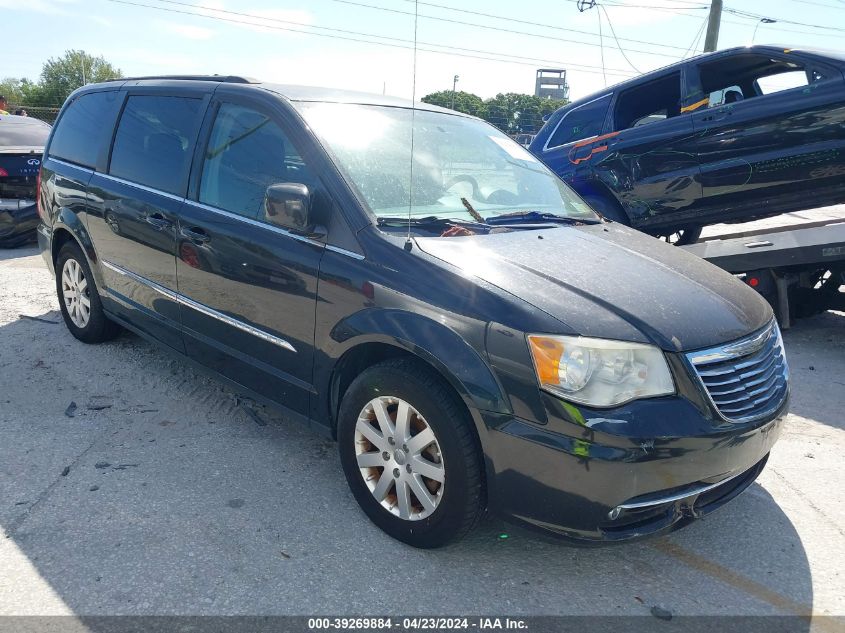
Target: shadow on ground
{"x": 815, "y": 350}
{"x": 159, "y": 493}
{"x": 21, "y": 251}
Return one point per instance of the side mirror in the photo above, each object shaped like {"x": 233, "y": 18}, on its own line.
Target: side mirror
{"x": 288, "y": 205}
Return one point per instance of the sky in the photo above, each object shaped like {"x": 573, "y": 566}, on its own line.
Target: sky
{"x": 330, "y": 42}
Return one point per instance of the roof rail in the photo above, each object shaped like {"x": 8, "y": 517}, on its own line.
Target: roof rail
{"x": 229, "y": 79}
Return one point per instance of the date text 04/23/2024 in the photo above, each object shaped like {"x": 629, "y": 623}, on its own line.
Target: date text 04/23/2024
{"x": 417, "y": 623}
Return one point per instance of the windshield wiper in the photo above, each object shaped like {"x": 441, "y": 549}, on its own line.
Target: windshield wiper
{"x": 471, "y": 210}
{"x": 536, "y": 217}
{"x": 429, "y": 220}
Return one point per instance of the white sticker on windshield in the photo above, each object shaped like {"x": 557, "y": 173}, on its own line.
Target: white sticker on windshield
{"x": 514, "y": 149}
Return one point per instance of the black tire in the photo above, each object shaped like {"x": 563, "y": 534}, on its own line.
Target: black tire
{"x": 609, "y": 209}
{"x": 98, "y": 327}
{"x": 680, "y": 237}
{"x": 462, "y": 502}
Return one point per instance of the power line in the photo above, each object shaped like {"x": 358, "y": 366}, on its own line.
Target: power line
{"x": 601, "y": 41}
{"x": 692, "y": 47}
{"x": 737, "y": 12}
{"x": 756, "y": 16}
{"x": 487, "y": 26}
{"x": 819, "y": 4}
{"x": 301, "y": 24}
{"x": 539, "y": 24}
{"x": 500, "y": 57}
{"x": 664, "y": 9}
{"x": 678, "y": 12}
{"x": 613, "y": 32}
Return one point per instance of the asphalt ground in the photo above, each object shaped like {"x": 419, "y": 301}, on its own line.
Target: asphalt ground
{"x": 130, "y": 484}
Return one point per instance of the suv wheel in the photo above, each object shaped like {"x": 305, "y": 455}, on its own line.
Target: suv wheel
{"x": 410, "y": 454}
{"x": 79, "y": 299}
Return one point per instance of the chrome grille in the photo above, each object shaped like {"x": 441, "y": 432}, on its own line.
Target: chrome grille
{"x": 746, "y": 379}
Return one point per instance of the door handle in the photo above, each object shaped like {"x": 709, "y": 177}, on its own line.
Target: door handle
{"x": 718, "y": 116}
{"x": 158, "y": 221}
{"x": 195, "y": 234}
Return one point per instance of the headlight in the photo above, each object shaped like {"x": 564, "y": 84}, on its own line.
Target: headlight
{"x": 599, "y": 372}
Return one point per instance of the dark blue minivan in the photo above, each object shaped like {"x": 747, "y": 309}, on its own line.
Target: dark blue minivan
{"x": 415, "y": 284}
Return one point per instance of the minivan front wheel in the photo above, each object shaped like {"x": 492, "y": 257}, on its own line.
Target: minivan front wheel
{"x": 79, "y": 300}
{"x": 410, "y": 454}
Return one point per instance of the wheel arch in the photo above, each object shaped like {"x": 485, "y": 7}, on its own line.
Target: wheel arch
{"x": 374, "y": 336}
{"x": 69, "y": 227}
{"x": 372, "y": 350}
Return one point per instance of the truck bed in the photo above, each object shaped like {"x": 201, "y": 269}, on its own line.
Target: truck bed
{"x": 819, "y": 242}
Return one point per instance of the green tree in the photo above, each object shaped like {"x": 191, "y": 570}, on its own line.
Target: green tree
{"x": 465, "y": 102}
{"x": 513, "y": 112}
{"x": 10, "y": 87}
{"x": 63, "y": 75}
{"x": 19, "y": 91}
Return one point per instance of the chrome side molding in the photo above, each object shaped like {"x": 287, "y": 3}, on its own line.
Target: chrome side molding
{"x": 200, "y": 307}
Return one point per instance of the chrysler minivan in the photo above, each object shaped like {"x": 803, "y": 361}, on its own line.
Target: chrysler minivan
{"x": 414, "y": 283}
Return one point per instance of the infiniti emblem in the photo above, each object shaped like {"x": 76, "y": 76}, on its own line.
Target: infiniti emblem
{"x": 33, "y": 161}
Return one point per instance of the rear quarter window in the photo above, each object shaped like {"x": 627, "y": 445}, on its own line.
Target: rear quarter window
{"x": 154, "y": 141}
{"x": 580, "y": 123}
{"x": 23, "y": 132}
{"x": 85, "y": 127}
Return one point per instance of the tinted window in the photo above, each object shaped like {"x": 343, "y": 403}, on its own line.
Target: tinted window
{"x": 85, "y": 128}
{"x": 23, "y": 131}
{"x": 247, "y": 152}
{"x": 580, "y": 123}
{"x": 154, "y": 141}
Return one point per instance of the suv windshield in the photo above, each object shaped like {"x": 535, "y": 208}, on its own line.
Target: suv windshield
{"x": 462, "y": 168}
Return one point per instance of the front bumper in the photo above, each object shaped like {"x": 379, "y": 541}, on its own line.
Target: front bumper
{"x": 591, "y": 484}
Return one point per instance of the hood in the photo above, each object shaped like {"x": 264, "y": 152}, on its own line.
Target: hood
{"x": 609, "y": 281}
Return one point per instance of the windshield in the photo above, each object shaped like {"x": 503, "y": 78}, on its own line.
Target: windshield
{"x": 463, "y": 169}
{"x": 22, "y": 131}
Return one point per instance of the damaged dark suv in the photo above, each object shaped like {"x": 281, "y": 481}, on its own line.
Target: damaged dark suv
{"x": 22, "y": 141}
{"x": 415, "y": 284}
{"x": 731, "y": 136}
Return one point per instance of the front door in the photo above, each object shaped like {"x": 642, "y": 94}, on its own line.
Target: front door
{"x": 645, "y": 160}
{"x": 769, "y": 133}
{"x": 247, "y": 288}
{"x": 134, "y": 210}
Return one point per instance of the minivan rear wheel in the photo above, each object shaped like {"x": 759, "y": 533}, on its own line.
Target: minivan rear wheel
{"x": 410, "y": 454}
{"x": 79, "y": 300}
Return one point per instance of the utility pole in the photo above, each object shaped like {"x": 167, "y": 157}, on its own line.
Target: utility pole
{"x": 454, "y": 84}
{"x": 711, "y": 40}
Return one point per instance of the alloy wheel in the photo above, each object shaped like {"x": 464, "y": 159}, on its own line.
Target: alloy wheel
{"x": 76, "y": 294}
{"x": 399, "y": 458}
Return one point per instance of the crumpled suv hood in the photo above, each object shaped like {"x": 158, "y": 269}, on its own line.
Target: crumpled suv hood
{"x": 609, "y": 281}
